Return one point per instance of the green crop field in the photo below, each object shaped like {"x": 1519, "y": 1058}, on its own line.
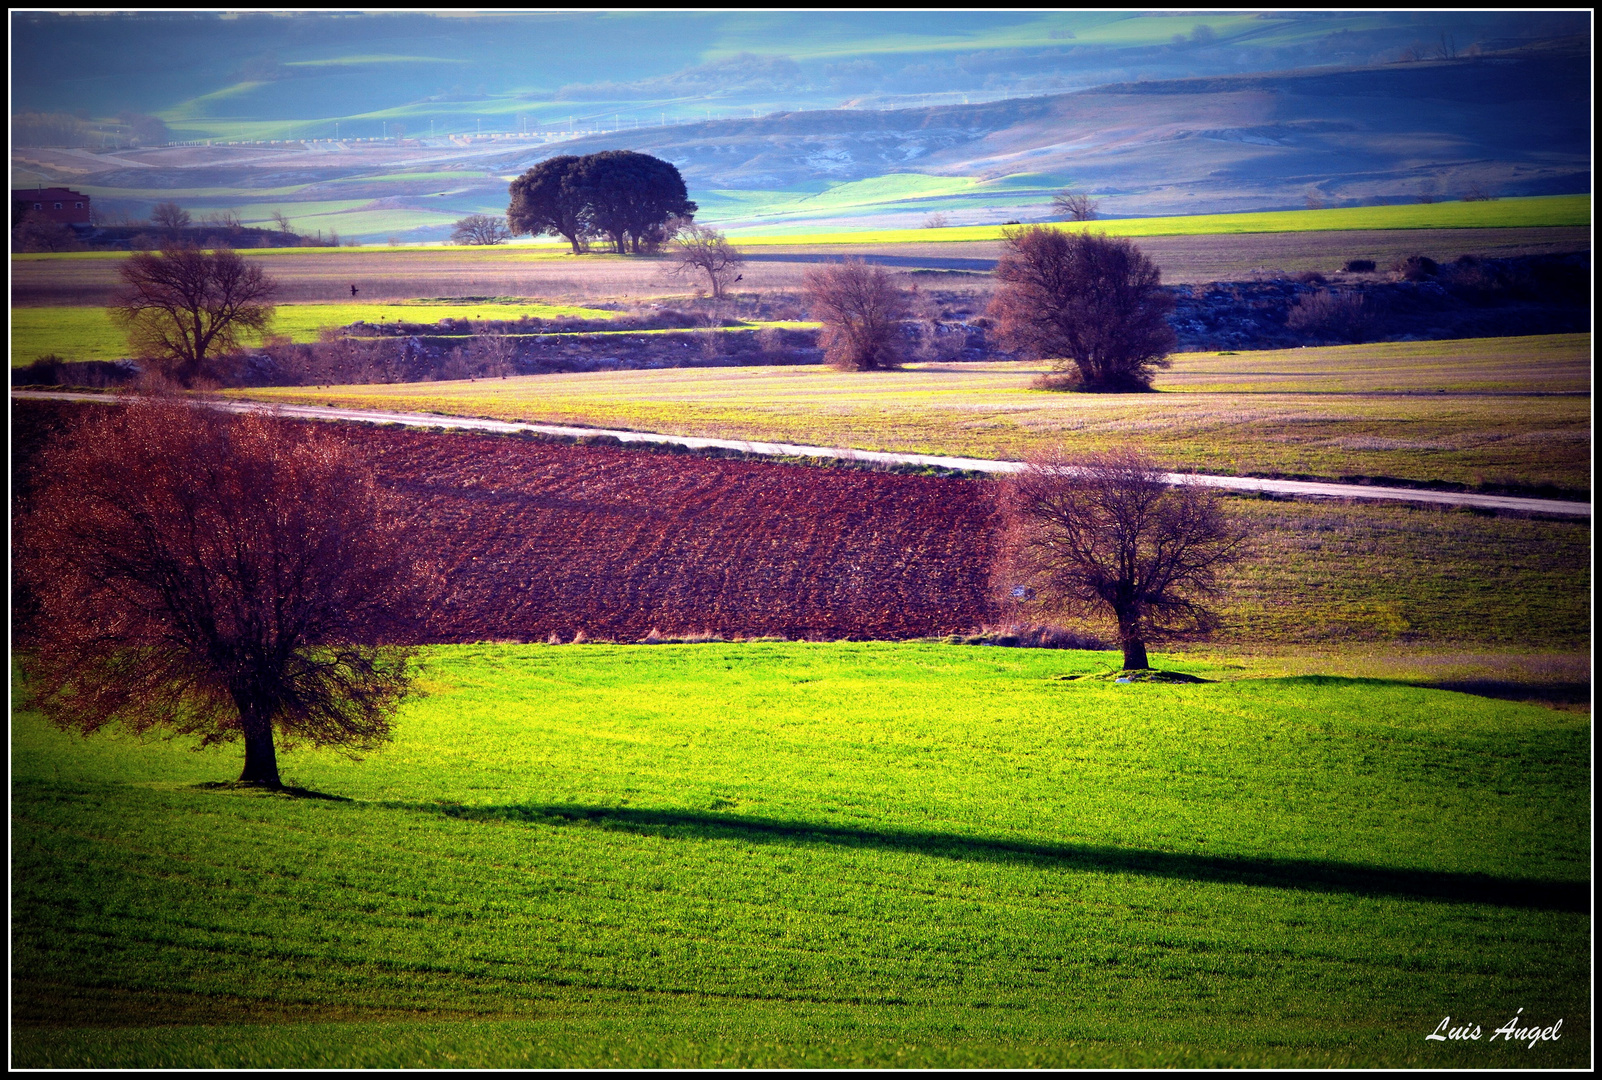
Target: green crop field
{"x": 818, "y": 854}
{"x": 1319, "y": 573}
{"x": 1545, "y": 210}
{"x": 517, "y": 251}
{"x": 1499, "y": 411}
{"x": 87, "y": 333}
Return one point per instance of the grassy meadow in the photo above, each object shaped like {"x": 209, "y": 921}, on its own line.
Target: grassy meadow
{"x": 1536, "y": 211}
{"x": 87, "y": 333}
{"x": 795, "y": 854}
{"x": 1488, "y": 411}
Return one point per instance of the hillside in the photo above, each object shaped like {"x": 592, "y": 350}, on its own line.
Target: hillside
{"x": 273, "y": 75}
{"x": 1512, "y": 125}
{"x": 1516, "y": 123}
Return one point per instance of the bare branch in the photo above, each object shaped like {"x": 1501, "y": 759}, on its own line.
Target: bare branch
{"x": 183, "y": 305}
{"x": 1108, "y": 536}
{"x": 212, "y": 576}
{"x": 861, "y": 311}
{"x": 703, "y": 250}
{"x": 1085, "y": 300}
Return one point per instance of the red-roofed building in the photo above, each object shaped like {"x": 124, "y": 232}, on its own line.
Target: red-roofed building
{"x": 56, "y": 203}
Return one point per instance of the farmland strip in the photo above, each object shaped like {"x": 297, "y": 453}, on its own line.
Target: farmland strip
{"x": 1300, "y": 488}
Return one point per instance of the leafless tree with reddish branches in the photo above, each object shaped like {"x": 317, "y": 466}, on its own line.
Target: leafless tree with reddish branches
{"x": 186, "y": 304}
{"x": 482, "y": 230}
{"x": 861, "y": 310}
{"x": 700, "y": 249}
{"x": 1106, "y": 536}
{"x": 215, "y": 576}
{"x": 1086, "y": 300}
{"x": 1073, "y": 205}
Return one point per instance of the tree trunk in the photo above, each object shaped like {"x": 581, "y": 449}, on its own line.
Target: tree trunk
{"x": 1135, "y": 654}
{"x": 1129, "y": 636}
{"x": 261, "y": 757}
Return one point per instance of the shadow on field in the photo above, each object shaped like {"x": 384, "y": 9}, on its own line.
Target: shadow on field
{"x": 287, "y": 791}
{"x": 1551, "y": 694}
{"x": 1313, "y": 875}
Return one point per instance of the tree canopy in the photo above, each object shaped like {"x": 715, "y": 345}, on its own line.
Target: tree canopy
{"x": 481, "y": 230}
{"x": 861, "y": 310}
{"x": 185, "y": 304}
{"x": 1109, "y": 535}
{"x": 698, "y": 249}
{"x": 546, "y": 200}
{"x": 217, "y": 576}
{"x": 627, "y": 196}
{"x": 1084, "y": 299}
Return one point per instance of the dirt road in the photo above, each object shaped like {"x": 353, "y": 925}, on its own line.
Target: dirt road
{"x": 1298, "y": 488}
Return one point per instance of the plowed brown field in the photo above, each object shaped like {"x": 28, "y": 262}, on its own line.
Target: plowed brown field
{"x": 544, "y": 538}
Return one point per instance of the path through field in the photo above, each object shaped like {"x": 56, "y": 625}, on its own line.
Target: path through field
{"x": 1301, "y": 488}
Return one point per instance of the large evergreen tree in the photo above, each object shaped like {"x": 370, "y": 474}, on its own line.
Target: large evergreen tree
{"x": 628, "y": 196}
{"x": 547, "y": 199}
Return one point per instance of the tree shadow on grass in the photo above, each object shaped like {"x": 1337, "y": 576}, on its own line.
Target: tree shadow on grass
{"x": 288, "y": 791}
{"x": 1551, "y": 694}
{"x": 1311, "y": 875}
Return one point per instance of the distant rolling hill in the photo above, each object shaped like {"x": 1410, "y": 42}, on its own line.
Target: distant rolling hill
{"x": 1516, "y": 123}
{"x": 1508, "y": 125}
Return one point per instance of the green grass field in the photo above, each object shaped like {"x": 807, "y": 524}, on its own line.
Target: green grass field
{"x": 826, "y": 854}
{"x": 1544, "y": 210}
{"x": 87, "y": 333}
{"x": 1501, "y": 411}
{"x": 1320, "y": 573}
{"x": 517, "y": 251}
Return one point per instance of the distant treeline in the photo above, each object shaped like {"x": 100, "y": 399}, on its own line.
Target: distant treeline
{"x": 76, "y": 129}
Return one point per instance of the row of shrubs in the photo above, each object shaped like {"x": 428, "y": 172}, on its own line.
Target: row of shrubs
{"x": 1352, "y": 315}
{"x": 1016, "y": 637}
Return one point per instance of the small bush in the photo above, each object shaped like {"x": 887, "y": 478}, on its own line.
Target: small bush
{"x": 1416, "y": 268}
{"x": 1308, "y": 277}
{"x": 861, "y": 310}
{"x": 1030, "y": 637}
{"x": 1070, "y": 380}
{"x": 1359, "y": 266}
{"x": 1327, "y": 313}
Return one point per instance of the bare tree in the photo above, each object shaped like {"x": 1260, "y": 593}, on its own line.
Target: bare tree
{"x": 185, "y": 304}
{"x": 1073, "y": 205}
{"x": 170, "y": 216}
{"x": 215, "y": 576}
{"x": 700, "y": 249}
{"x": 1086, "y": 300}
{"x": 1336, "y": 313}
{"x": 38, "y": 232}
{"x": 481, "y": 230}
{"x": 494, "y": 355}
{"x": 1110, "y": 537}
{"x": 282, "y": 223}
{"x": 861, "y": 311}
